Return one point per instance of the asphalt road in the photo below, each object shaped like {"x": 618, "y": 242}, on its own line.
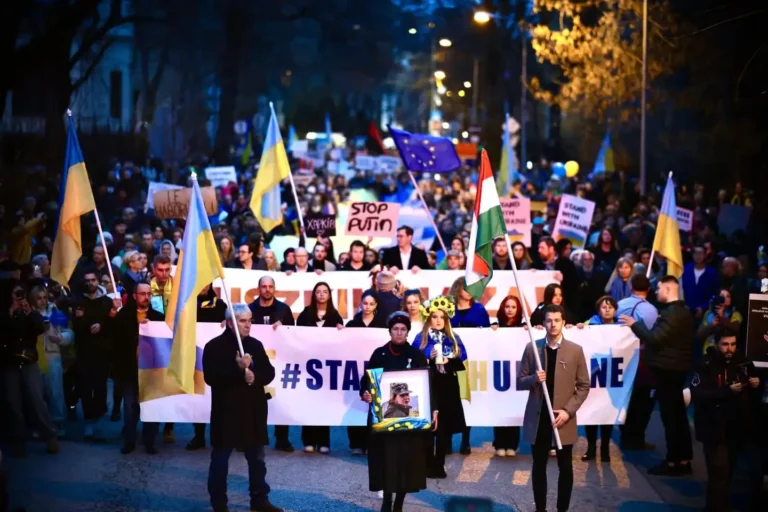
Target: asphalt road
{"x": 97, "y": 478}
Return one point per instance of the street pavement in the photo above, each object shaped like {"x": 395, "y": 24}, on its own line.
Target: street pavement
{"x": 95, "y": 477}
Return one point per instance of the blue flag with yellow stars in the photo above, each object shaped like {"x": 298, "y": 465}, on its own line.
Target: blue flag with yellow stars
{"x": 425, "y": 153}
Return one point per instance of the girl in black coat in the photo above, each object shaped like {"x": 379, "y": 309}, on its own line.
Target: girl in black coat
{"x": 553, "y": 294}
{"x": 320, "y": 313}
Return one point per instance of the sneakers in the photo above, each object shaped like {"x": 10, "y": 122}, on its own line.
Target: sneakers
{"x": 53, "y": 446}
{"x": 357, "y": 451}
{"x": 501, "y": 453}
{"x": 511, "y": 453}
{"x": 309, "y": 449}
{"x": 325, "y": 450}
{"x": 196, "y": 443}
{"x": 265, "y": 506}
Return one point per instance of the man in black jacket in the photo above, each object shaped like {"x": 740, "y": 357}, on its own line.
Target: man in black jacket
{"x": 125, "y": 365}
{"x": 667, "y": 353}
{"x": 238, "y": 408}
{"x": 726, "y": 395}
{"x": 404, "y": 255}
{"x": 266, "y": 309}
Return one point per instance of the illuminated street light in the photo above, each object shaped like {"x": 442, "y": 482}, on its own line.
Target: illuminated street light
{"x": 448, "y": 93}
{"x": 462, "y": 93}
{"x": 446, "y": 125}
{"x": 445, "y": 43}
{"x": 482, "y": 17}
{"x": 412, "y": 31}
{"x": 441, "y": 90}
{"x": 467, "y": 84}
{"x": 455, "y": 141}
{"x": 440, "y": 75}
{"x": 465, "y": 134}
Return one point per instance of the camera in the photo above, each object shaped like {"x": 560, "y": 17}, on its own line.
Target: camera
{"x": 716, "y": 302}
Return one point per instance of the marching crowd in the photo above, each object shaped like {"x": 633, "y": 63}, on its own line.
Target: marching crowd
{"x": 61, "y": 346}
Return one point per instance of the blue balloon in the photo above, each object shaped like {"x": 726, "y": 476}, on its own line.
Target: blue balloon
{"x": 558, "y": 169}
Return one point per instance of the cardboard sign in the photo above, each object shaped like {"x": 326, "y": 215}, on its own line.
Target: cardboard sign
{"x": 388, "y": 164}
{"x": 685, "y": 219}
{"x": 574, "y": 219}
{"x": 372, "y": 219}
{"x": 365, "y": 162}
{"x": 321, "y": 225}
{"x": 757, "y": 329}
{"x": 221, "y": 176}
{"x": 174, "y": 204}
{"x": 155, "y": 186}
{"x": 517, "y": 217}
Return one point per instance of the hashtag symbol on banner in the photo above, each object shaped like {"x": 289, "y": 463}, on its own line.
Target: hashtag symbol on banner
{"x": 291, "y": 376}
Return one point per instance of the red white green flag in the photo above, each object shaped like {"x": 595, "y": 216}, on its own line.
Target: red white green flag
{"x": 487, "y": 225}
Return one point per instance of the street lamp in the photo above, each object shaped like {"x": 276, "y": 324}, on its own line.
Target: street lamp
{"x": 441, "y": 90}
{"x": 462, "y": 93}
{"x": 412, "y": 31}
{"x": 440, "y": 75}
{"x": 468, "y": 84}
{"x": 445, "y": 43}
{"x": 482, "y": 17}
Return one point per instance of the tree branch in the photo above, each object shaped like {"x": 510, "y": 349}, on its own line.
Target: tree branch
{"x": 743, "y": 71}
{"x": 722, "y": 22}
{"x": 92, "y": 66}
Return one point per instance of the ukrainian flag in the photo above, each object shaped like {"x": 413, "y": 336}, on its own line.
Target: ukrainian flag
{"x": 198, "y": 266}
{"x": 274, "y": 168}
{"x": 75, "y": 200}
{"x": 604, "y": 161}
{"x": 667, "y": 239}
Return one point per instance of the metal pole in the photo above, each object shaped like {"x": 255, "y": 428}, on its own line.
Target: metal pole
{"x": 432, "y": 82}
{"x": 475, "y": 89}
{"x": 523, "y": 106}
{"x": 642, "y": 97}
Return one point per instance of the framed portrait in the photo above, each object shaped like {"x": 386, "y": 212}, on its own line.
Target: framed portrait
{"x": 401, "y": 400}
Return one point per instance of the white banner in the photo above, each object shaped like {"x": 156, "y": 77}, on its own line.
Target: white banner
{"x": 347, "y": 287}
{"x": 220, "y": 176}
{"x": 365, "y": 162}
{"x": 574, "y": 219}
{"x": 318, "y": 370}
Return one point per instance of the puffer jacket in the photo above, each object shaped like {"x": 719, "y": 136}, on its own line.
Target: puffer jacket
{"x": 669, "y": 345}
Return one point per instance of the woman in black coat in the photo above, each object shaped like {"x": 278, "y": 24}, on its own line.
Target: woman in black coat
{"x": 397, "y": 462}
{"x": 553, "y": 294}
{"x": 320, "y": 313}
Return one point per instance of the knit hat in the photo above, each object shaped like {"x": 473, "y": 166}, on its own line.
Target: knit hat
{"x": 398, "y": 317}
{"x": 385, "y": 278}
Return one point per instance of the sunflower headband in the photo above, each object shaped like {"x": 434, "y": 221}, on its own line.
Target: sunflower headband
{"x": 442, "y": 303}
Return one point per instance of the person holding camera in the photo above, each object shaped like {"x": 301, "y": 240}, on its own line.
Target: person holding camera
{"x": 720, "y": 315}
{"x": 726, "y": 393}
{"x": 21, "y": 326}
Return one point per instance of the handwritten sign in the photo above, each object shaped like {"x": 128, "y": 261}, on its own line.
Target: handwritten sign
{"x": 174, "y": 204}
{"x": 372, "y": 219}
{"x": 321, "y": 225}
{"x": 574, "y": 219}
{"x": 155, "y": 186}
{"x": 365, "y": 162}
{"x": 220, "y": 176}
{"x": 685, "y": 219}
{"x": 517, "y": 217}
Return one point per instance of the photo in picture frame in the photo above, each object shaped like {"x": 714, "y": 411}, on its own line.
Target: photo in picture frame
{"x": 401, "y": 400}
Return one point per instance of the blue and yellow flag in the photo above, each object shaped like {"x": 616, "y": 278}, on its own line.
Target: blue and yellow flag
{"x": 667, "y": 239}
{"x": 198, "y": 266}
{"x": 604, "y": 162}
{"x": 274, "y": 168}
{"x": 75, "y": 200}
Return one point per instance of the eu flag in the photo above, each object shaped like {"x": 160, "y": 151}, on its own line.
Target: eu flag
{"x": 425, "y": 153}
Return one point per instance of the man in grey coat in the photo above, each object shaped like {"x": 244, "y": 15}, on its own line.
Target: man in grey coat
{"x": 566, "y": 379}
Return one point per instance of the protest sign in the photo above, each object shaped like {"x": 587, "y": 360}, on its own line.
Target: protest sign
{"x": 539, "y": 206}
{"x": 757, "y": 329}
{"x": 574, "y": 219}
{"x": 337, "y": 154}
{"x": 174, "y": 204}
{"x": 388, "y": 164}
{"x": 155, "y": 186}
{"x": 517, "y": 217}
{"x": 365, "y": 162}
{"x": 299, "y": 148}
{"x": 685, "y": 219}
{"x": 320, "y": 225}
{"x": 732, "y": 218}
{"x": 372, "y": 219}
{"x": 220, "y": 176}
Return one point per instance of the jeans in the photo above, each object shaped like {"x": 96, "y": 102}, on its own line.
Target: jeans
{"x": 131, "y": 415}
{"x": 669, "y": 392}
{"x": 93, "y": 390}
{"x": 638, "y": 415}
{"x": 219, "y": 469}
{"x": 22, "y": 383}
{"x": 54, "y": 389}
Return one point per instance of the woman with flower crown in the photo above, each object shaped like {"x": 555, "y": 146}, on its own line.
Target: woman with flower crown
{"x": 437, "y": 314}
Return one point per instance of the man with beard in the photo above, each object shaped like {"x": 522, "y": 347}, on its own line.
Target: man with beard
{"x": 356, "y": 261}
{"x": 266, "y": 309}
{"x": 125, "y": 368}
{"x": 92, "y": 313}
{"x": 238, "y": 408}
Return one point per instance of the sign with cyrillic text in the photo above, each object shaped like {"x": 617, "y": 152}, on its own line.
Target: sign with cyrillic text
{"x": 320, "y": 225}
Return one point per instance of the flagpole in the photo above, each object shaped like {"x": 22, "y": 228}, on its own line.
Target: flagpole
{"x": 533, "y": 342}
{"x": 293, "y": 185}
{"x": 653, "y": 249}
{"x": 426, "y": 209}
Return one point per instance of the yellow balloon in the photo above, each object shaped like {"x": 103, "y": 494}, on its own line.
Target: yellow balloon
{"x": 571, "y": 168}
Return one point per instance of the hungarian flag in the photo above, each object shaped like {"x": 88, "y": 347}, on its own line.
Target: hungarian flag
{"x": 487, "y": 225}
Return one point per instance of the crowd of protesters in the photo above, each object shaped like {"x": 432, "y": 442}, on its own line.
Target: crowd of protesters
{"x": 63, "y": 345}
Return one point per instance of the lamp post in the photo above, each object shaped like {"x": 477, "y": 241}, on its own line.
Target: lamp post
{"x": 643, "y": 98}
